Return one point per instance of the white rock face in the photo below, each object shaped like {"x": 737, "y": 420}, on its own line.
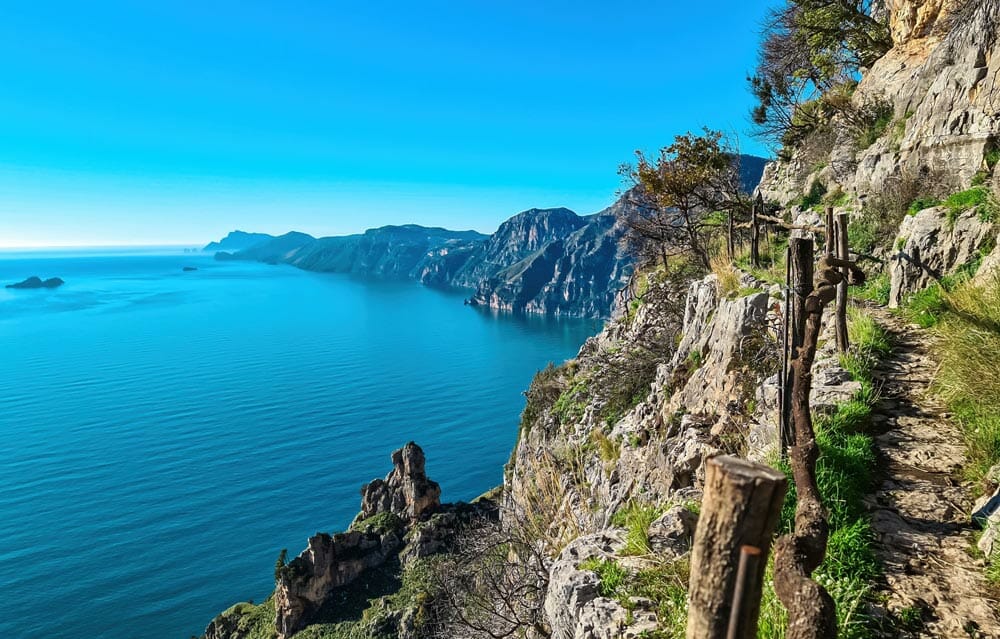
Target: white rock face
{"x": 930, "y": 246}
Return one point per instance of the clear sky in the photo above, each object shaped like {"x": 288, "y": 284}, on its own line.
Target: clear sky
{"x": 175, "y": 122}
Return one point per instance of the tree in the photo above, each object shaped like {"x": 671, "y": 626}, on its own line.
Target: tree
{"x": 677, "y": 193}
{"x": 809, "y": 48}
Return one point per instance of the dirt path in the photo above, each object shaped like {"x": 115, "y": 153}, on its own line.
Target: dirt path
{"x": 920, "y": 510}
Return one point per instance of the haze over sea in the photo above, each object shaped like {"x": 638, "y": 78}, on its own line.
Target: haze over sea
{"x": 165, "y": 433}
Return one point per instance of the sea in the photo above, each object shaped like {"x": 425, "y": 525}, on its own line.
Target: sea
{"x": 164, "y": 433}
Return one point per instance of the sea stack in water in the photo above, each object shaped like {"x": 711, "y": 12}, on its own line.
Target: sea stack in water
{"x": 37, "y": 282}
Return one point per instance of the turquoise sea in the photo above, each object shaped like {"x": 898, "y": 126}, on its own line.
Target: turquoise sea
{"x": 163, "y": 434}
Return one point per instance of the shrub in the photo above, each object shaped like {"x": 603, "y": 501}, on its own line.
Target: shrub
{"x": 962, "y": 201}
{"x": 875, "y": 120}
{"x": 611, "y": 574}
{"x": 815, "y": 195}
{"x": 922, "y": 203}
{"x": 636, "y": 518}
{"x": 545, "y": 389}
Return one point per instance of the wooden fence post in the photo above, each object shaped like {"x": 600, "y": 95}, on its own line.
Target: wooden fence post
{"x": 800, "y": 285}
{"x": 831, "y": 232}
{"x": 730, "y": 239}
{"x": 758, "y": 205}
{"x": 843, "y": 343}
{"x": 740, "y": 508}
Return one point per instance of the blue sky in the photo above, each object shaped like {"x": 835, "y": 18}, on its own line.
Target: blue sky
{"x": 176, "y": 122}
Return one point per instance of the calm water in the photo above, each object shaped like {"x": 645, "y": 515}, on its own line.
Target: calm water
{"x": 164, "y": 434}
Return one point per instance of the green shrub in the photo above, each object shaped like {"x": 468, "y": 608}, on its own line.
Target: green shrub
{"x": 879, "y": 116}
{"x": 636, "y": 519}
{"x": 991, "y": 158}
{"x": 922, "y": 203}
{"x": 815, "y": 195}
{"x": 545, "y": 389}
{"x": 611, "y": 574}
{"x": 978, "y": 198}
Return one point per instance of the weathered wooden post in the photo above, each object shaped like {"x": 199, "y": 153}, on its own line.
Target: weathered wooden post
{"x": 741, "y": 508}
{"x": 799, "y": 284}
{"x": 758, "y": 206}
{"x": 831, "y": 232}
{"x": 843, "y": 343}
{"x": 730, "y": 239}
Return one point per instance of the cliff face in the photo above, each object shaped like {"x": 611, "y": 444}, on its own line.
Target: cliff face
{"x": 940, "y": 82}
{"x": 576, "y": 274}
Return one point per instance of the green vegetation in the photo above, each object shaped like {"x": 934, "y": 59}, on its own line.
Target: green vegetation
{"x": 815, "y": 195}
{"x": 572, "y": 402}
{"x": 991, "y": 158}
{"x": 978, "y": 198}
{"x": 665, "y": 585}
{"x": 545, "y": 388}
{"x": 845, "y": 474}
{"x": 878, "y": 121}
{"x": 610, "y": 572}
{"x": 876, "y": 289}
{"x": 968, "y": 330}
{"x": 380, "y": 523}
{"x": 922, "y": 203}
{"x": 252, "y": 621}
{"x": 636, "y": 519}
{"x": 869, "y": 343}
{"x": 607, "y": 449}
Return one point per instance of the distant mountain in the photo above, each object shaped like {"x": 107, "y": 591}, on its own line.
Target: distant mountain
{"x": 751, "y": 171}
{"x": 238, "y": 241}
{"x": 540, "y": 260}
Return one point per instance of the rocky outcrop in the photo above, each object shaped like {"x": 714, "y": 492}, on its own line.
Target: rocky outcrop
{"x": 574, "y": 605}
{"x": 406, "y": 492}
{"x": 931, "y": 245}
{"x": 37, "y": 282}
{"x": 329, "y": 562}
{"x": 940, "y": 82}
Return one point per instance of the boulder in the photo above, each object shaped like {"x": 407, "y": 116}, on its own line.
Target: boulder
{"x": 931, "y": 246}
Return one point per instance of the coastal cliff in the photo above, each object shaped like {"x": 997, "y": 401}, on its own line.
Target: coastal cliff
{"x": 606, "y": 476}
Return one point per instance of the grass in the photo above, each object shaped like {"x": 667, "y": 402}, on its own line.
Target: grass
{"x": 636, "y": 518}
{"x": 845, "y": 474}
{"x": 922, "y": 203}
{"x": 876, "y": 289}
{"x": 968, "y": 379}
{"x": 610, "y": 572}
{"x": 978, "y": 197}
{"x": 817, "y": 190}
{"x": 665, "y": 585}
{"x": 607, "y": 449}
{"x": 729, "y": 279}
{"x": 925, "y": 308}
{"x": 869, "y": 343}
